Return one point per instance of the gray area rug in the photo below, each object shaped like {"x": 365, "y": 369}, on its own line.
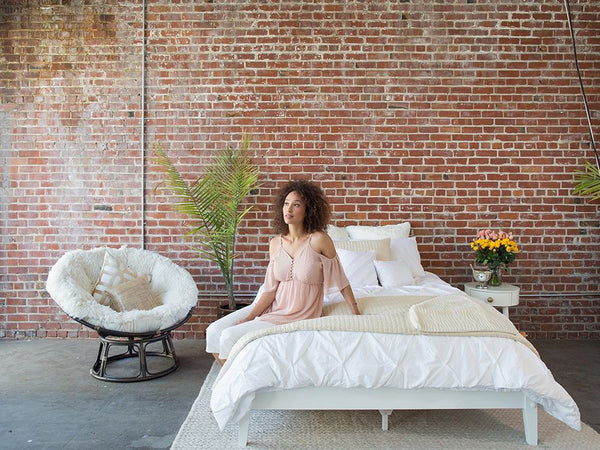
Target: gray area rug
{"x": 422, "y": 429}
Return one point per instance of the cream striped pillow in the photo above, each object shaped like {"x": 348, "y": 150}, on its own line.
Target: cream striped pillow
{"x": 132, "y": 295}
{"x": 381, "y": 247}
{"x": 114, "y": 272}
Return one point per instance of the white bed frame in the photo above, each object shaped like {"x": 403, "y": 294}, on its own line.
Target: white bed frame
{"x": 388, "y": 399}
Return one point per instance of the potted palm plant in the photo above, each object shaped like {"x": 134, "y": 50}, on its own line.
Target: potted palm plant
{"x": 213, "y": 201}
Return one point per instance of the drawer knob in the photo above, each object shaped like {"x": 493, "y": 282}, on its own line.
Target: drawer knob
{"x": 490, "y": 300}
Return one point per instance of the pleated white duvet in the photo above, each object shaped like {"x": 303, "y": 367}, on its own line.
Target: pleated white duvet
{"x": 374, "y": 360}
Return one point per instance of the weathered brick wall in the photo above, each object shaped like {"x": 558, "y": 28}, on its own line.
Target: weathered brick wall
{"x": 454, "y": 115}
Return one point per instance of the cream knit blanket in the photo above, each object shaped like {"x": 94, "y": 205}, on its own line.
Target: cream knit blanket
{"x": 449, "y": 315}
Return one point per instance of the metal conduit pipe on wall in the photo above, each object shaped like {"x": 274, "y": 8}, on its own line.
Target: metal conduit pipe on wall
{"x": 143, "y": 127}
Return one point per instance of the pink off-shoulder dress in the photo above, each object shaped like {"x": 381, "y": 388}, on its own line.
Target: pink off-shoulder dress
{"x": 299, "y": 283}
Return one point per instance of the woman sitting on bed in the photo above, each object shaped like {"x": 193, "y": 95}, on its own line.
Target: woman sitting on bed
{"x": 303, "y": 263}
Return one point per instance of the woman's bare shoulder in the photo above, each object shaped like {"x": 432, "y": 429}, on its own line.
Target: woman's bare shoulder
{"x": 322, "y": 243}
{"x": 274, "y": 245}
{"x": 321, "y": 236}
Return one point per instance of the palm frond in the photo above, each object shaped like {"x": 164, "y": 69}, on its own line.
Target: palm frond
{"x": 176, "y": 183}
{"x": 213, "y": 202}
{"x": 588, "y": 182}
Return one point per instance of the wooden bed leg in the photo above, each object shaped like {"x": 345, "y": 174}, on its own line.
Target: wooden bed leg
{"x": 385, "y": 414}
{"x": 243, "y": 431}
{"x": 530, "y": 421}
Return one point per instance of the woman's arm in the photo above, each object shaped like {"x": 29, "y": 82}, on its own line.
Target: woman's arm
{"x": 349, "y": 297}
{"x": 259, "y": 307}
{"x": 267, "y": 298}
{"x": 323, "y": 244}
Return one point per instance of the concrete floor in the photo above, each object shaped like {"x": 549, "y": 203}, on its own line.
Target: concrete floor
{"x": 49, "y": 401}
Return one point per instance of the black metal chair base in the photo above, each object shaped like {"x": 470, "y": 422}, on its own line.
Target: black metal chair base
{"x": 136, "y": 348}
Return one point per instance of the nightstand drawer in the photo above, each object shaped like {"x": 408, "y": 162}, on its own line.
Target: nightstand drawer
{"x": 502, "y": 296}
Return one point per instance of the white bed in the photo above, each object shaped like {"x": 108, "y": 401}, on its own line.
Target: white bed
{"x": 384, "y": 371}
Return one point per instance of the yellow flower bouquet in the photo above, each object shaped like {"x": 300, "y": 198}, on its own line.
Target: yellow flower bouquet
{"x": 495, "y": 249}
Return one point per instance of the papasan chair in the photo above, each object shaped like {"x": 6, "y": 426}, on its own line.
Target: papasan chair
{"x": 132, "y": 298}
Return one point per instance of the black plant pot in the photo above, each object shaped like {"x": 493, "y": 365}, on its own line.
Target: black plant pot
{"x": 224, "y": 308}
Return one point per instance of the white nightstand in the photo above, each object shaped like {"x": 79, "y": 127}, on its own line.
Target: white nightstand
{"x": 501, "y": 296}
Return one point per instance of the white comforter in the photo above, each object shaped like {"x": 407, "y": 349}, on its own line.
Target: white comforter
{"x": 374, "y": 360}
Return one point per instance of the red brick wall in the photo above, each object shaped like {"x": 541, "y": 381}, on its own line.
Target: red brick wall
{"x": 452, "y": 115}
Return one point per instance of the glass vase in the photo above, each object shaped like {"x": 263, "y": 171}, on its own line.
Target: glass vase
{"x": 496, "y": 277}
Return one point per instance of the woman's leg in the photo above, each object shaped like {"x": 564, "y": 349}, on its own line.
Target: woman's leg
{"x": 214, "y": 330}
{"x": 231, "y": 335}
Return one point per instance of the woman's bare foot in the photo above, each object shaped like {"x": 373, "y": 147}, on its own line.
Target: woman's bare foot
{"x": 219, "y": 360}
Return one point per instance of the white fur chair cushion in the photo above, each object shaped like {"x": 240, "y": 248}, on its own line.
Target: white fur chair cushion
{"x": 73, "y": 278}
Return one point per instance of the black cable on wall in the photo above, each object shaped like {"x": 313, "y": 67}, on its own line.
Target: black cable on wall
{"x": 585, "y": 101}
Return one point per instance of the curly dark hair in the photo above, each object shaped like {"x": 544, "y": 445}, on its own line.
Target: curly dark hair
{"x": 317, "y": 213}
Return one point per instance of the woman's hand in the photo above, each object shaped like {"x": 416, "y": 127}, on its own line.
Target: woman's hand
{"x": 260, "y": 306}
{"x": 245, "y": 319}
{"x": 349, "y": 297}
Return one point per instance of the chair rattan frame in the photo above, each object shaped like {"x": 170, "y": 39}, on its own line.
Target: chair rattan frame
{"x": 136, "y": 348}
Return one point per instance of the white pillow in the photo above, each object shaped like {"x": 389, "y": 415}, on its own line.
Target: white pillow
{"x": 406, "y": 250}
{"x": 394, "y": 273}
{"x": 381, "y": 247}
{"x": 359, "y": 267}
{"x": 401, "y": 230}
{"x": 337, "y": 233}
